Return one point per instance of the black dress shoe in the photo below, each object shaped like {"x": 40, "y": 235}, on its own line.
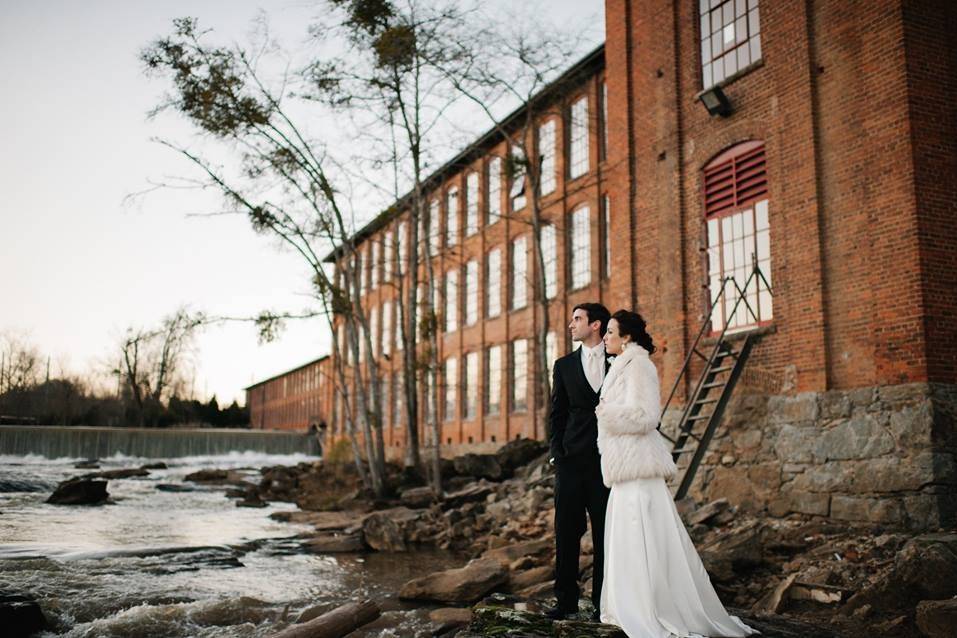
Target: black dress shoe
{"x": 595, "y": 616}
{"x": 558, "y": 613}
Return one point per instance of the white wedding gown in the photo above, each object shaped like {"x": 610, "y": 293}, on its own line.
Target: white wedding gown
{"x": 655, "y": 585}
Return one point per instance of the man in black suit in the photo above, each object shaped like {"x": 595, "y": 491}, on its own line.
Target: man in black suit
{"x": 573, "y": 439}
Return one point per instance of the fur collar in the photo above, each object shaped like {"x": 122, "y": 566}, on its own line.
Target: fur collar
{"x": 631, "y": 352}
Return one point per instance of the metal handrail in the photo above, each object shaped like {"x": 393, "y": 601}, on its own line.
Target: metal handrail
{"x": 756, "y": 271}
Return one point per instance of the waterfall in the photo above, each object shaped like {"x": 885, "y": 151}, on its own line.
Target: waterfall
{"x": 90, "y": 443}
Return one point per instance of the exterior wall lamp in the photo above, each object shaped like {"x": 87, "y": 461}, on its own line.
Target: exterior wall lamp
{"x": 715, "y": 101}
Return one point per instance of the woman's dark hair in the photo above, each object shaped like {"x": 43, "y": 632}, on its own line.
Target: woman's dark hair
{"x": 632, "y": 324}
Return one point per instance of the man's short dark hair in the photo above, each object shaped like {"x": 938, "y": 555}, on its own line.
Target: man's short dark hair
{"x": 595, "y": 312}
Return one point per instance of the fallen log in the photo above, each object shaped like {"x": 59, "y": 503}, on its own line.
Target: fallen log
{"x": 334, "y": 624}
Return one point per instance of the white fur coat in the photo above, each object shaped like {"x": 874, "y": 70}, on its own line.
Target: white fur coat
{"x": 631, "y": 446}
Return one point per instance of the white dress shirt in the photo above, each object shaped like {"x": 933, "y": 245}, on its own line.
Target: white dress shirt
{"x": 593, "y": 363}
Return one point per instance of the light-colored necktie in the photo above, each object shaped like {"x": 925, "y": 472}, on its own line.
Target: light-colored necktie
{"x": 594, "y": 368}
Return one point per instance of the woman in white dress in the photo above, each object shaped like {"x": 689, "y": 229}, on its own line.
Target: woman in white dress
{"x": 655, "y": 585}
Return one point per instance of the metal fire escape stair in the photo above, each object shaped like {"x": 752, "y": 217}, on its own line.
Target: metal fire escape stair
{"x": 721, "y": 371}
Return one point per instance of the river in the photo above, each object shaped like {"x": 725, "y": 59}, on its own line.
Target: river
{"x": 157, "y": 563}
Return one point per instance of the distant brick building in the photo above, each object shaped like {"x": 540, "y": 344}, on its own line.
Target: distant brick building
{"x": 294, "y": 400}
{"x": 835, "y": 170}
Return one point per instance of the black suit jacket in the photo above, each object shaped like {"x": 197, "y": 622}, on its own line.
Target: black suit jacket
{"x": 573, "y": 426}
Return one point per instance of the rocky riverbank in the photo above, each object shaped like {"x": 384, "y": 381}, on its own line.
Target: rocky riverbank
{"x": 796, "y": 575}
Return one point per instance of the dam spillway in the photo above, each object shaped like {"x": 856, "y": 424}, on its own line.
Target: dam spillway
{"x": 90, "y": 442}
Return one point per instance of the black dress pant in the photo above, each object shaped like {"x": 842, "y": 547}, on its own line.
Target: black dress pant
{"x": 578, "y": 489}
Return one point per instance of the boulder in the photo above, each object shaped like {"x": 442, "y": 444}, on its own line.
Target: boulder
{"x": 505, "y": 556}
{"x": 174, "y": 487}
{"x": 534, "y": 576}
{"x": 20, "y": 616}
{"x": 334, "y": 544}
{"x": 445, "y": 619}
{"x": 518, "y": 453}
{"x": 383, "y": 534}
{"x": 707, "y": 512}
{"x": 937, "y": 618}
{"x": 465, "y": 585}
{"x": 117, "y": 474}
{"x": 417, "y": 497}
{"x": 479, "y": 465}
{"x": 88, "y": 464}
{"x": 79, "y": 491}
{"x": 159, "y": 465}
{"x": 741, "y": 547}
{"x": 469, "y": 494}
{"x": 216, "y": 476}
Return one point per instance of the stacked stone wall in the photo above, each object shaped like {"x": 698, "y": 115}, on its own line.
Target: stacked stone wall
{"x": 878, "y": 454}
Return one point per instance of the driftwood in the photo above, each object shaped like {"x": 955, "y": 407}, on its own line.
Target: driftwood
{"x": 334, "y": 624}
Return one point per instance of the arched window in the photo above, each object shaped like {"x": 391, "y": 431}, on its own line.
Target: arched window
{"x": 738, "y": 235}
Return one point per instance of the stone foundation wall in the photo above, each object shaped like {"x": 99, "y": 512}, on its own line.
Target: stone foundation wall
{"x": 883, "y": 454}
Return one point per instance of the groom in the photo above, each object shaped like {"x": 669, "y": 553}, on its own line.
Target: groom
{"x": 573, "y": 440}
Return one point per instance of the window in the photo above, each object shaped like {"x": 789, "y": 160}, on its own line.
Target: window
{"x": 517, "y": 192}
{"x": 403, "y": 246}
{"x": 519, "y": 270}
{"x": 604, "y": 120}
{"x": 398, "y": 327}
{"x": 519, "y": 374}
{"x": 374, "y": 266}
{"x": 360, "y": 273}
{"x": 471, "y": 292}
{"x": 550, "y": 257}
{"x": 578, "y": 138}
{"x": 387, "y": 257}
{"x": 386, "y": 327}
{"x": 451, "y": 383}
{"x": 429, "y": 393}
{"x": 434, "y": 228}
{"x": 581, "y": 247}
{"x": 551, "y": 351}
{"x": 546, "y": 157}
{"x": 730, "y": 38}
{"x": 451, "y": 300}
{"x": 452, "y": 216}
{"x": 493, "y": 380}
{"x": 493, "y": 283}
{"x": 606, "y": 237}
{"x": 471, "y": 385}
{"x": 398, "y": 400}
{"x": 374, "y": 330}
{"x": 737, "y": 226}
{"x": 472, "y": 204}
{"x": 494, "y": 193}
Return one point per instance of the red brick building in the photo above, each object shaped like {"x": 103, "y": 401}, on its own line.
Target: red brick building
{"x": 834, "y": 167}
{"x": 294, "y": 400}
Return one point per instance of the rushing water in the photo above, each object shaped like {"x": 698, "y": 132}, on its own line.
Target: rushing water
{"x": 157, "y": 563}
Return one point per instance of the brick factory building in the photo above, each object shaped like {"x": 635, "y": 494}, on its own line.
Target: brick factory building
{"x": 295, "y": 400}
{"x": 833, "y": 166}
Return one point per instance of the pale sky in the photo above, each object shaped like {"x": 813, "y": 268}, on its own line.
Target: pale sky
{"x": 77, "y": 264}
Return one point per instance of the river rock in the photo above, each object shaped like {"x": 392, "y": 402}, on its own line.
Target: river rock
{"x": 334, "y": 544}
{"x": 383, "y": 534}
{"x": 159, "y": 465}
{"x": 445, "y": 619}
{"x": 937, "y": 618}
{"x": 479, "y": 465}
{"x": 117, "y": 474}
{"x": 505, "y": 556}
{"x": 708, "y": 512}
{"x": 174, "y": 487}
{"x": 88, "y": 464}
{"x": 80, "y": 491}
{"x": 20, "y": 616}
{"x": 464, "y": 585}
{"x": 417, "y": 496}
{"x": 518, "y": 453}
{"x": 472, "y": 493}
{"x": 529, "y": 577}
{"x": 216, "y": 476}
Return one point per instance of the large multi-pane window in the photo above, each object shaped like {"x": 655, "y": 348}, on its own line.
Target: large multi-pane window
{"x": 738, "y": 230}
{"x": 581, "y": 247}
{"x": 519, "y": 375}
{"x": 606, "y": 237}
{"x": 472, "y": 204}
{"x": 374, "y": 330}
{"x": 517, "y": 192}
{"x": 519, "y": 273}
{"x": 451, "y": 385}
{"x": 730, "y": 38}
{"x": 470, "y": 379}
{"x": 386, "y": 327}
{"x": 387, "y": 256}
{"x": 494, "y": 189}
{"x": 493, "y": 283}
{"x": 374, "y": 266}
{"x": 403, "y": 246}
{"x": 604, "y": 120}
{"x": 360, "y": 272}
{"x": 434, "y": 228}
{"x": 551, "y": 351}
{"x": 550, "y": 257}
{"x": 471, "y": 292}
{"x": 398, "y": 327}
{"x": 578, "y": 138}
{"x": 546, "y": 157}
{"x": 493, "y": 380}
{"x": 452, "y": 216}
{"x": 398, "y": 400}
{"x": 451, "y": 300}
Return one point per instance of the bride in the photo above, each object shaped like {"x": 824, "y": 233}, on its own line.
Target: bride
{"x": 655, "y": 585}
